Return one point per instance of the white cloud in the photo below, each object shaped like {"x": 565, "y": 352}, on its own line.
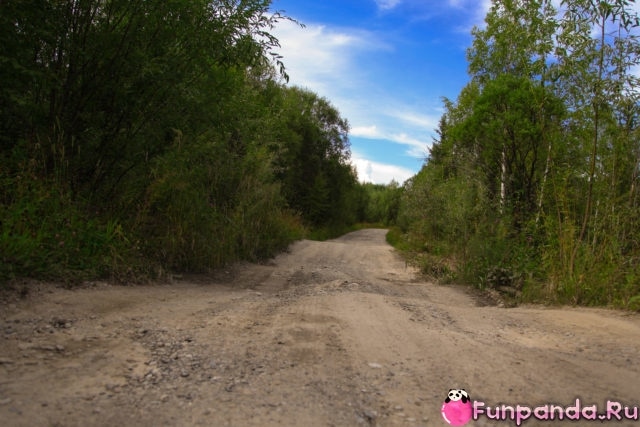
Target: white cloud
{"x": 427, "y": 122}
{"x": 325, "y": 60}
{"x": 317, "y": 52}
{"x": 339, "y": 64}
{"x": 314, "y": 54}
{"x": 476, "y": 10}
{"x": 483, "y": 8}
{"x": 387, "y": 4}
{"x": 417, "y": 148}
{"x": 380, "y": 173}
{"x": 370, "y": 132}
{"x": 417, "y": 140}
{"x": 456, "y": 3}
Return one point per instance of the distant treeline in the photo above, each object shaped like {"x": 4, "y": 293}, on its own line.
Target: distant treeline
{"x": 533, "y": 184}
{"x": 145, "y": 136}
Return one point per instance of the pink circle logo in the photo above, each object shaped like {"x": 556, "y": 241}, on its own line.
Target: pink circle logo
{"x": 456, "y": 409}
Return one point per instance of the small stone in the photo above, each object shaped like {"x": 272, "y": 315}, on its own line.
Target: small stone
{"x": 5, "y": 401}
{"x": 184, "y": 374}
{"x": 375, "y": 365}
{"x": 24, "y": 346}
{"x": 370, "y": 415}
{"x": 110, "y": 387}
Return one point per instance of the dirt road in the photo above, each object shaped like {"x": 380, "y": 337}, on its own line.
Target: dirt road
{"x": 337, "y": 333}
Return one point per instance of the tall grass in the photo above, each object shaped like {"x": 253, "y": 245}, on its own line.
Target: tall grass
{"x": 45, "y": 234}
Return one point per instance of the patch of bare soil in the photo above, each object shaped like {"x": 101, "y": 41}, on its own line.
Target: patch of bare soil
{"x": 337, "y": 333}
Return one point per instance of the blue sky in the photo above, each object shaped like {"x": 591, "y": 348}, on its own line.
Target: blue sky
{"x": 385, "y": 65}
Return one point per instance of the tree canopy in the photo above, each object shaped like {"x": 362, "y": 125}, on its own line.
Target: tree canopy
{"x": 533, "y": 180}
{"x": 144, "y": 136}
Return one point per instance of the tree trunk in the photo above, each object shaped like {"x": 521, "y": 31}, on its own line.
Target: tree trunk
{"x": 594, "y": 150}
{"x": 503, "y": 180}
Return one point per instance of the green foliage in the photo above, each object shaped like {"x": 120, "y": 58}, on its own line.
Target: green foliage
{"x": 634, "y": 303}
{"x": 517, "y": 40}
{"x": 205, "y": 209}
{"x": 144, "y": 136}
{"x": 46, "y": 234}
{"x": 395, "y": 238}
{"x": 532, "y": 185}
{"x": 312, "y": 163}
{"x": 382, "y": 203}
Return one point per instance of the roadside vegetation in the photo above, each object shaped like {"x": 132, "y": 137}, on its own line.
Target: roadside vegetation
{"x": 532, "y": 186}
{"x": 140, "y": 138}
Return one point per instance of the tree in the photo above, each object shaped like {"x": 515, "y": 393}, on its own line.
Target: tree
{"x": 509, "y": 126}
{"x": 137, "y": 130}
{"x": 103, "y": 81}
{"x": 536, "y": 163}
{"x": 595, "y": 77}
{"x": 517, "y": 40}
{"x": 313, "y": 163}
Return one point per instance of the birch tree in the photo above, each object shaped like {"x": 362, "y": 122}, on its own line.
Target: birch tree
{"x": 597, "y": 51}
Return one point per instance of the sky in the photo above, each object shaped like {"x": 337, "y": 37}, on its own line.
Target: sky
{"x": 385, "y": 65}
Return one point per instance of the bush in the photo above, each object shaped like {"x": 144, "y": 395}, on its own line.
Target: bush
{"x": 206, "y": 208}
{"x": 45, "y": 234}
{"x": 634, "y": 303}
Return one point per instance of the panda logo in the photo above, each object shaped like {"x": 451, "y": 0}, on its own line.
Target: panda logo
{"x": 455, "y": 395}
{"x": 457, "y": 409}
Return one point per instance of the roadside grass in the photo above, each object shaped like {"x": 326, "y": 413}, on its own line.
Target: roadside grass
{"x": 431, "y": 266}
{"x": 516, "y": 284}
